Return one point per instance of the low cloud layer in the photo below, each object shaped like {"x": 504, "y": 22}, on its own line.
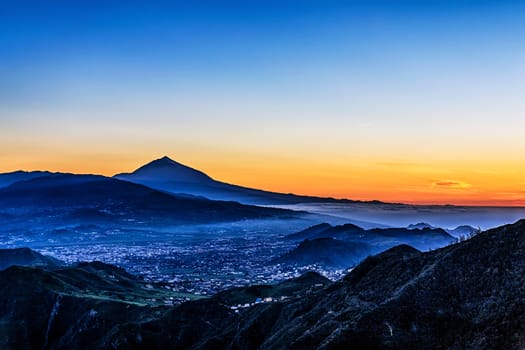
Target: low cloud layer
{"x": 453, "y": 184}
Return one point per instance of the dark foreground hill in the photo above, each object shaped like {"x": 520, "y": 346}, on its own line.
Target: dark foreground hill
{"x": 470, "y": 295}
{"x": 27, "y": 257}
{"x": 97, "y": 306}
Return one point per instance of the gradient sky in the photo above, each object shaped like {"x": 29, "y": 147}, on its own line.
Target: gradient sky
{"x": 413, "y": 101}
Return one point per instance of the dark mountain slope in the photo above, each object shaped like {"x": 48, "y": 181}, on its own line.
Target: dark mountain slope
{"x": 92, "y": 198}
{"x": 287, "y": 288}
{"x": 469, "y": 295}
{"x": 466, "y": 296}
{"x": 327, "y": 252}
{"x": 97, "y": 306}
{"x": 76, "y": 307}
{"x": 324, "y": 230}
{"x": 8, "y": 179}
{"x": 27, "y": 257}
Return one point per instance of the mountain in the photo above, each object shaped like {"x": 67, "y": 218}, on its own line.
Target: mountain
{"x": 75, "y": 307}
{"x": 464, "y": 231}
{"x": 460, "y": 232}
{"x": 468, "y": 295}
{"x": 465, "y": 296}
{"x": 327, "y": 252}
{"x": 422, "y": 239}
{"x": 378, "y": 239}
{"x": 168, "y": 175}
{"x": 419, "y": 225}
{"x": 89, "y": 306}
{"x": 310, "y": 232}
{"x": 344, "y": 246}
{"x": 27, "y": 257}
{"x": 92, "y": 199}
{"x": 167, "y": 170}
{"x": 7, "y": 179}
{"x": 325, "y": 230}
{"x": 291, "y": 287}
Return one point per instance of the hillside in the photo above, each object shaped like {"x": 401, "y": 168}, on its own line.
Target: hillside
{"x": 468, "y": 295}
{"x": 327, "y": 252}
{"x": 7, "y": 179}
{"x": 93, "y": 199}
{"x": 26, "y": 257}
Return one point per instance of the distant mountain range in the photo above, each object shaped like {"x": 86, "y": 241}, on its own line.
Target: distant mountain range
{"x": 462, "y": 231}
{"x": 344, "y": 246}
{"x": 424, "y": 238}
{"x": 468, "y": 295}
{"x": 167, "y": 175}
{"x": 10, "y": 178}
{"x": 64, "y": 198}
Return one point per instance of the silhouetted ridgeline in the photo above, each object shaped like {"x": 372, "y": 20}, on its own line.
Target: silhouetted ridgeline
{"x": 64, "y": 198}
{"x": 469, "y": 295}
{"x": 168, "y": 175}
{"x": 346, "y": 245}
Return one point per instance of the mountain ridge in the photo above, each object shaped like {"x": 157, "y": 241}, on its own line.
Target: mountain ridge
{"x": 344, "y": 246}
{"x": 81, "y": 198}
{"x": 166, "y": 166}
{"x": 198, "y": 183}
{"x": 468, "y": 295}
{"x": 7, "y": 179}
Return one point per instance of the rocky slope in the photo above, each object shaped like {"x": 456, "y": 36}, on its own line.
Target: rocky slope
{"x": 470, "y": 295}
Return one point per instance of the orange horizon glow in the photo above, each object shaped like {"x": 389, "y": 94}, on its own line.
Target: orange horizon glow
{"x": 454, "y": 183}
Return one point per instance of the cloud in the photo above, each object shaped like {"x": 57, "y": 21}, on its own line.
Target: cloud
{"x": 452, "y": 184}
{"x": 398, "y": 164}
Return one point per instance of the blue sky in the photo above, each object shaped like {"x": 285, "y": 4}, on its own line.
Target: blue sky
{"x": 274, "y": 45}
